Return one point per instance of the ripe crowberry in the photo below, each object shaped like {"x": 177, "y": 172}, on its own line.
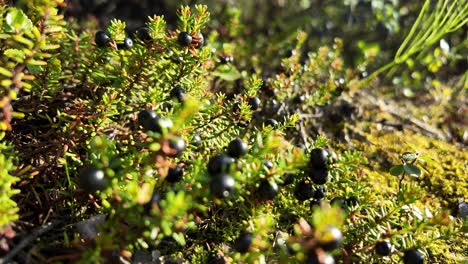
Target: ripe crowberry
{"x": 254, "y": 103}
{"x": 148, "y": 119}
{"x": 237, "y": 148}
{"x": 184, "y": 38}
{"x": 320, "y": 192}
{"x": 102, "y": 38}
{"x": 174, "y": 174}
{"x": 243, "y": 242}
{"x": 178, "y": 93}
{"x": 196, "y": 140}
{"x": 413, "y": 256}
{"x": 127, "y": 44}
{"x": 177, "y": 144}
{"x": 319, "y": 158}
{"x": 219, "y": 164}
{"x": 303, "y": 190}
{"x": 92, "y": 179}
{"x": 383, "y": 248}
{"x": 268, "y": 164}
{"x": 314, "y": 203}
{"x": 144, "y": 34}
{"x": 267, "y": 190}
{"x": 318, "y": 176}
{"x": 330, "y": 238}
{"x": 222, "y": 185}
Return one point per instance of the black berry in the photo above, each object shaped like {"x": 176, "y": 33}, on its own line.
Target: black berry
{"x": 127, "y": 44}
{"x": 268, "y": 164}
{"x": 303, "y": 190}
{"x": 254, "y": 103}
{"x": 222, "y": 185}
{"x": 330, "y": 238}
{"x": 267, "y": 190}
{"x": 338, "y": 201}
{"x": 352, "y": 201}
{"x": 177, "y": 145}
{"x": 196, "y": 140}
{"x": 383, "y": 248}
{"x": 319, "y": 176}
{"x": 149, "y": 120}
{"x": 174, "y": 174}
{"x": 237, "y": 148}
{"x": 184, "y": 39}
{"x": 178, "y": 93}
{"x": 413, "y": 256}
{"x": 319, "y": 158}
{"x": 92, "y": 179}
{"x": 320, "y": 192}
{"x": 219, "y": 164}
{"x": 243, "y": 242}
{"x": 102, "y": 38}
{"x": 144, "y": 34}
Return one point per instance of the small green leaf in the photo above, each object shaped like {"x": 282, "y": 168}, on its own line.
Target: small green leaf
{"x": 396, "y": 170}
{"x": 412, "y": 170}
{"x": 15, "y": 54}
{"x": 16, "y": 19}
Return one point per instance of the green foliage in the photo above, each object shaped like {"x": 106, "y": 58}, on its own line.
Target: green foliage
{"x": 8, "y": 208}
{"x": 81, "y": 106}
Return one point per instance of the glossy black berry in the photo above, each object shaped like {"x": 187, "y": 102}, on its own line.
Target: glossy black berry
{"x": 413, "y": 256}
{"x": 330, "y": 238}
{"x": 127, "y": 44}
{"x": 196, "y": 140}
{"x": 219, "y": 163}
{"x": 149, "y": 120}
{"x": 144, "y": 34}
{"x": 224, "y": 59}
{"x": 312, "y": 258}
{"x": 243, "y": 242}
{"x": 299, "y": 99}
{"x": 222, "y": 185}
{"x": 320, "y": 192}
{"x": 319, "y": 175}
{"x": 267, "y": 190}
{"x": 184, "y": 38}
{"x": 352, "y": 201}
{"x": 383, "y": 248}
{"x": 177, "y": 145}
{"x": 237, "y": 148}
{"x": 303, "y": 190}
{"x": 92, "y": 179}
{"x": 102, "y": 39}
{"x": 178, "y": 93}
{"x": 338, "y": 202}
{"x": 318, "y": 158}
{"x": 268, "y": 164}
{"x": 271, "y": 122}
{"x": 174, "y": 174}
{"x": 254, "y": 103}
